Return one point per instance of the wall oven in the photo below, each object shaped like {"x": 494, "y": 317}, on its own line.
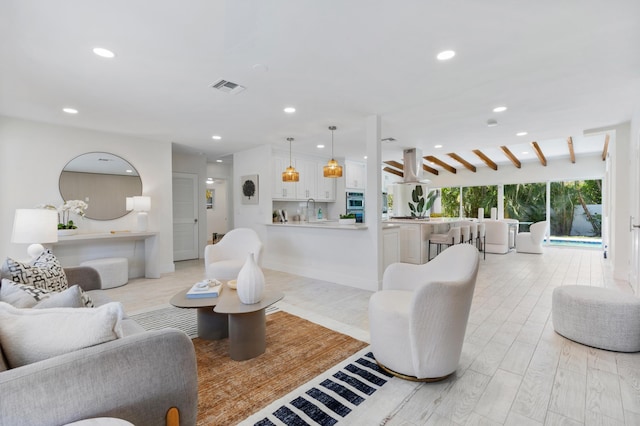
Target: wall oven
{"x": 355, "y": 205}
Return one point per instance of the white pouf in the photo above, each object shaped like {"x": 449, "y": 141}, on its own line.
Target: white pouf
{"x": 113, "y": 271}
{"x": 598, "y": 317}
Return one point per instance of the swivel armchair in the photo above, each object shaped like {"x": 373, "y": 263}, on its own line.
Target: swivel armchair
{"x": 224, "y": 259}
{"x": 419, "y": 318}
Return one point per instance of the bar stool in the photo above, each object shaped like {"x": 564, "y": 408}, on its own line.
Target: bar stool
{"x": 439, "y": 240}
{"x": 481, "y": 239}
{"x": 473, "y": 231}
{"x": 465, "y": 233}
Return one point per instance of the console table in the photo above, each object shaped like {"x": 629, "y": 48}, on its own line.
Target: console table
{"x": 82, "y": 247}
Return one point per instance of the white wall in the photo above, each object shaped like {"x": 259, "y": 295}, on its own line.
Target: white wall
{"x": 33, "y": 154}
{"x": 621, "y": 173}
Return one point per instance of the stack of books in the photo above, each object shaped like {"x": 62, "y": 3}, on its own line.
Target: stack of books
{"x": 206, "y": 288}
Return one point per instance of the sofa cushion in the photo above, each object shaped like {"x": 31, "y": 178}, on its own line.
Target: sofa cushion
{"x": 26, "y": 296}
{"x": 44, "y": 272}
{"x": 31, "y": 335}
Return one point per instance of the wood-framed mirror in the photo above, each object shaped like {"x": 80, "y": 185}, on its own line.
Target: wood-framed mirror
{"x": 103, "y": 181}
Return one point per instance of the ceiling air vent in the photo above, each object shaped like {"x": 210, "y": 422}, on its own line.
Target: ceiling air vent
{"x": 227, "y": 86}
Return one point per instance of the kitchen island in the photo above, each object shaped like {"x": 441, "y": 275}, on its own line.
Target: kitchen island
{"x": 324, "y": 250}
{"x": 415, "y": 233}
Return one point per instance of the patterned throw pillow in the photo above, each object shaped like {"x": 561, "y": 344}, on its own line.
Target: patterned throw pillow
{"x": 44, "y": 272}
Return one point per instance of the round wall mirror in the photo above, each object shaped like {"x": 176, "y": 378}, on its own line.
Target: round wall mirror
{"x": 103, "y": 181}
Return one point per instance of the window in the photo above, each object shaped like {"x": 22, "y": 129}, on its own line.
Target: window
{"x": 576, "y": 208}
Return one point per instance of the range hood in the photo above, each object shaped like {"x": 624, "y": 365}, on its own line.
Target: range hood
{"x": 413, "y": 171}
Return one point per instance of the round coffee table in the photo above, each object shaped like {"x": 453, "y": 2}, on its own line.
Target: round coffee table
{"x": 211, "y": 325}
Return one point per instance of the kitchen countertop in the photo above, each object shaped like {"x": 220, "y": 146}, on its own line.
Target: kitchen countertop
{"x": 324, "y": 224}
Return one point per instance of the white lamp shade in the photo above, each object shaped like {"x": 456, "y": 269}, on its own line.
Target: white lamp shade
{"x": 141, "y": 203}
{"x": 35, "y": 226}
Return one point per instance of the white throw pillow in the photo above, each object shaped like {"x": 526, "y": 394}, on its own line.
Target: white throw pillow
{"x": 26, "y": 296}
{"x": 69, "y": 298}
{"x": 31, "y": 335}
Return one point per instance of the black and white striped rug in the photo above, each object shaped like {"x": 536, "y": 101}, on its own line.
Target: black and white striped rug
{"x": 355, "y": 392}
{"x": 180, "y": 318}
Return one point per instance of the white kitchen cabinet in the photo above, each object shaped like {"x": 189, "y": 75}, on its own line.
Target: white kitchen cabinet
{"x": 312, "y": 183}
{"x": 326, "y": 187}
{"x": 390, "y": 245}
{"x": 355, "y": 175}
{"x": 306, "y": 187}
{"x": 410, "y": 239}
{"x": 282, "y": 190}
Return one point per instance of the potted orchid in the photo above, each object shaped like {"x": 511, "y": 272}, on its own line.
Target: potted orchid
{"x": 65, "y": 224}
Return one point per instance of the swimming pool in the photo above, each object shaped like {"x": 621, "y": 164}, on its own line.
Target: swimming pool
{"x": 576, "y": 242}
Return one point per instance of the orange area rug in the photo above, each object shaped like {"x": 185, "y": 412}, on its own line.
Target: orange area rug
{"x": 297, "y": 351}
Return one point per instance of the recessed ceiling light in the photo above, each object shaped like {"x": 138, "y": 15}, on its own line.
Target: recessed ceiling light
{"x": 492, "y": 123}
{"x": 104, "y": 53}
{"x": 521, "y": 133}
{"x": 70, "y": 110}
{"x": 365, "y": 157}
{"x": 500, "y": 109}
{"x": 320, "y": 146}
{"x": 218, "y": 161}
{"x": 437, "y": 146}
{"x": 216, "y": 137}
{"x": 289, "y": 110}
{"x": 525, "y": 152}
{"x": 128, "y": 171}
{"x": 445, "y": 55}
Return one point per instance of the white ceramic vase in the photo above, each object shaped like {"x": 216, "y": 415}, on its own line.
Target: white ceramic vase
{"x": 67, "y": 232}
{"x": 250, "y": 282}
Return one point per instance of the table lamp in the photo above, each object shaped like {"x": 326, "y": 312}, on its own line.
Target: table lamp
{"x": 35, "y": 227}
{"x": 142, "y": 205}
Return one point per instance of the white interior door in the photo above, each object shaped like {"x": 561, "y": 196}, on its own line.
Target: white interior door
{"x": 185, "y": 216}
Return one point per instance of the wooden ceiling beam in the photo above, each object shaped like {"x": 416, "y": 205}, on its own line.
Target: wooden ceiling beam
{"x": 393, "y": 171}
{"x": 462, "y": 161}
{"x": 572, "y": 153}
{"x": 440, "y": 163}
{"x": 539, "y": 153}
{"x": 394, "y": 164}
{"x": 606, "y": 147}
{"x": 511, "y": 157}
{"x": 486, "y": 159}
{"x": 429, "y": 169}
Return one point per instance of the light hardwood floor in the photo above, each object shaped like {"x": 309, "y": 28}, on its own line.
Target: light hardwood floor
{"x": 514, "y": 370}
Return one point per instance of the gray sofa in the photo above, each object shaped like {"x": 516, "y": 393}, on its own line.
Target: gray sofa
{"x": 137, "y": 378}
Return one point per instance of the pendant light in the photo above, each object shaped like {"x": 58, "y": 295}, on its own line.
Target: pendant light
{"x": 332, "y": 169}
{"x": 290, "y": 174}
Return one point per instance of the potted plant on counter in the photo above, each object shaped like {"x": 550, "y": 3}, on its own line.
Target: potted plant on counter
{"x": 347, "y": 219}
{"x": 421, "y": 205}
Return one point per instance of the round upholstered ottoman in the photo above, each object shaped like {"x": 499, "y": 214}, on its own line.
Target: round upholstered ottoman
{"x": 598, "y": 317}
{"x": 113, "y": 271}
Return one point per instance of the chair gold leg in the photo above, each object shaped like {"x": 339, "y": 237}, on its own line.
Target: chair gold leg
{"x": 173, "y": 417}
{"x": 413, "y": 378}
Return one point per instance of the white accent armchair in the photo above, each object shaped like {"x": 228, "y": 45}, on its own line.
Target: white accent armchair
{"x": 419, "y": 318}
{"x": 224, "y": 259}
{"x": 531, "y": 242}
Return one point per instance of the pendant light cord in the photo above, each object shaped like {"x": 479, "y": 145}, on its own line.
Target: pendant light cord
{"x": 332, "y": 128}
